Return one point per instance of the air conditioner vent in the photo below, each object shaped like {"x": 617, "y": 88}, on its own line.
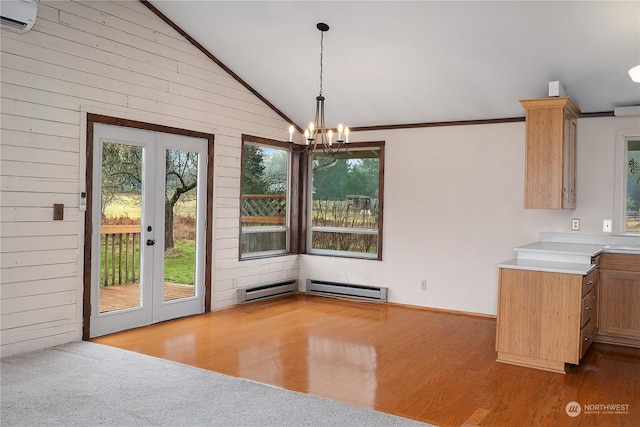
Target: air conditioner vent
{"x": 19, "y": 15}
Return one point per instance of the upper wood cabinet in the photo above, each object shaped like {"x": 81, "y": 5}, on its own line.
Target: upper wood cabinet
{"x": 550, "y": 163}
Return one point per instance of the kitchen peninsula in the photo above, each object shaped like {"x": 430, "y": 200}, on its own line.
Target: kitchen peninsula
{"x": 563, "y": 293}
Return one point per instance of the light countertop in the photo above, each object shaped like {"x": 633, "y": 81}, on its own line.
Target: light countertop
{"x": 569, "y": 254}
{"x": 548, "y": 266}
{"x": 563, "y": 248}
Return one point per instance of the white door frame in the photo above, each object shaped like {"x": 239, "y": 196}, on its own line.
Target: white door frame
{"x": 153, "y": 309}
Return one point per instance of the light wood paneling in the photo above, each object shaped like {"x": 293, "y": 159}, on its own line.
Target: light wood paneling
{"x": 540, "y": 318}
{"x": 430, "y": 366}
{"x": 620, "y": 295}
{"x": 550, "y": 153}
{"x": 619, "y": 317}
{"x": 623, "y": 262}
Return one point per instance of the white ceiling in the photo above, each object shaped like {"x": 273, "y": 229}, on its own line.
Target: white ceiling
{"x": 389, "y": 63}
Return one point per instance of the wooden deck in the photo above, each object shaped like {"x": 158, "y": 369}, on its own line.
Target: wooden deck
{"x": 126, "y": 296}
{"x": 417, "y": 363}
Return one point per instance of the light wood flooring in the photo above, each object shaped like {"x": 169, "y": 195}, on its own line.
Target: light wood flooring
{"x": 426, "y": 365}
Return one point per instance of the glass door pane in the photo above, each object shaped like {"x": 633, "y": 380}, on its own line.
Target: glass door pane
{"x": 180, "y": 219}
{"x": 120, "y": 226}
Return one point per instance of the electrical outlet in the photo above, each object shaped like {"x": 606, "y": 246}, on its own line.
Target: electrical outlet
{"x": 575, "y": 224}
{"x": 607, "y": 226}
{"x": 423, "y": 285}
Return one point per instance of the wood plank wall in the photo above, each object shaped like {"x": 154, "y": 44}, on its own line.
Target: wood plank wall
{"x": 117, "y": 59}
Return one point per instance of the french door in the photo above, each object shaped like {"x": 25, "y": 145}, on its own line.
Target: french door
{"x": 148, "y": 237}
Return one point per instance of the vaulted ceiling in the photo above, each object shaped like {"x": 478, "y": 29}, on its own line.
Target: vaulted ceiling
{"x": 391, "y": 63}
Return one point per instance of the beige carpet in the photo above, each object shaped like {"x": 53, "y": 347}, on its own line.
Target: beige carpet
{"x": 87, "y": 384}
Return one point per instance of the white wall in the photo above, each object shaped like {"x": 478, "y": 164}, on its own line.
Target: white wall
{"x": 118, "y": 59}
{"x": 453, "y": 209}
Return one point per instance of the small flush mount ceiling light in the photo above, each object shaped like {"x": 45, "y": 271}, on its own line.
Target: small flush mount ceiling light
{"x": 635, "y": 73}
{"x": 317, "y": 133}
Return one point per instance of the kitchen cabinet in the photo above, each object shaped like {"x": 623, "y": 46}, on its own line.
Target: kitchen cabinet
{"x": 550, "y": 153}
{"x": 620, "y": 300}
{"x": 545, "y": 319}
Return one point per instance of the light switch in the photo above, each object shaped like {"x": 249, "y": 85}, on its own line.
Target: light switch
{"x": 58, "y": 211}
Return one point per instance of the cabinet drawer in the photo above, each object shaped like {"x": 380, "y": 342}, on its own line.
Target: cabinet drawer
{"x": 625, "y": 262}
{"x": 589, "y": 282}
{"x": 586, "y": 337}
{"x": 589, "y": 309}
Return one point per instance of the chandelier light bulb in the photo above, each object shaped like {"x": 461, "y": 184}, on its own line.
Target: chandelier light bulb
{"x": 291, "y": 129}
{"x": 634, "y": 73}
{"x": 330, "y": 135}
{"x": 346, "y": 135}
{"x": 310, "y": 127}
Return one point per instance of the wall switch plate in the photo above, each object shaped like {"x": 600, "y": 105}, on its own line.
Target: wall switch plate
{"x": 607, "y": 226}
{"x": 575, "y": 224}
{"x": 58, "y": 212}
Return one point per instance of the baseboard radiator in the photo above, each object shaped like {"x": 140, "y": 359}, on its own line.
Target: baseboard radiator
{"x": 263, "y": 292}
{"x": 347, "y": 290}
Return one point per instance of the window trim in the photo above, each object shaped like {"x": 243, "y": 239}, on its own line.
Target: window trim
{"x": 309, "y": 205}
{"x": 623, "y": 137}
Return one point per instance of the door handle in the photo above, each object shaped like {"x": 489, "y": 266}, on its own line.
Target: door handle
{"x": 151, "y": 242}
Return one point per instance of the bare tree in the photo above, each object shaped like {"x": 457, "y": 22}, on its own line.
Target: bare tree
{"x": 122, "y": 173}
{"x": 181, "y": 177}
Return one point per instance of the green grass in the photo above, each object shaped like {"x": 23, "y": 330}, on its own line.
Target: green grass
{"x": 179, "y": 263}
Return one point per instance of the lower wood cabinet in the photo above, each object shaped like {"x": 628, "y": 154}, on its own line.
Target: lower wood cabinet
{"x": 545, "y": 319}
{"x": 620, "y": 300}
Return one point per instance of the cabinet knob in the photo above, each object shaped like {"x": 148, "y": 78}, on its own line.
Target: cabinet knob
{"x": 589, "y": 282}
{"x": 587, "y": 338}
{"x": 588, "y": 307}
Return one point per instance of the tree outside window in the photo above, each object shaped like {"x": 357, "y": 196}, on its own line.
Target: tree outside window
{"x": 346, "y": 203}
{"x": 265, "y": 193}
{"x": 632, "y": 223}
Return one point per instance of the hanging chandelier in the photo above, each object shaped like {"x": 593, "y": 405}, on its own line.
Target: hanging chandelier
{"x": 317, "y": 133}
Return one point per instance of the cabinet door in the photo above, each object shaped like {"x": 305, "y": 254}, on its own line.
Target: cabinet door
{"x": 544, "y": 160}
{"x": 620, "y": 303}
{"x": 550, "y": 153}
{"x": 569, "y": 163}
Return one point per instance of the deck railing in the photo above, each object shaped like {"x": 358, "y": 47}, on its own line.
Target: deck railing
{"x": 120, "y": 261}
{"x": 263, "y": 209}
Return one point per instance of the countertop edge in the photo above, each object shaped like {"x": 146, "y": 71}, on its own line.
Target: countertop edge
{"x": 548, "y": 266}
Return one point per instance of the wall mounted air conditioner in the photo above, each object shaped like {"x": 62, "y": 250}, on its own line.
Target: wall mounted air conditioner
{"x": 18, "y": 14}
{"x": 633, "y": 110}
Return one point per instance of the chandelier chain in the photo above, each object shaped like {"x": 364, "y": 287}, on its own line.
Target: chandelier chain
{"x": 321, "y": 54}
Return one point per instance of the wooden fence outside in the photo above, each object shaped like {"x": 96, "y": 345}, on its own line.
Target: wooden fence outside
{"x": 264, "y": 209}
{"x": 119, "y": 262}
